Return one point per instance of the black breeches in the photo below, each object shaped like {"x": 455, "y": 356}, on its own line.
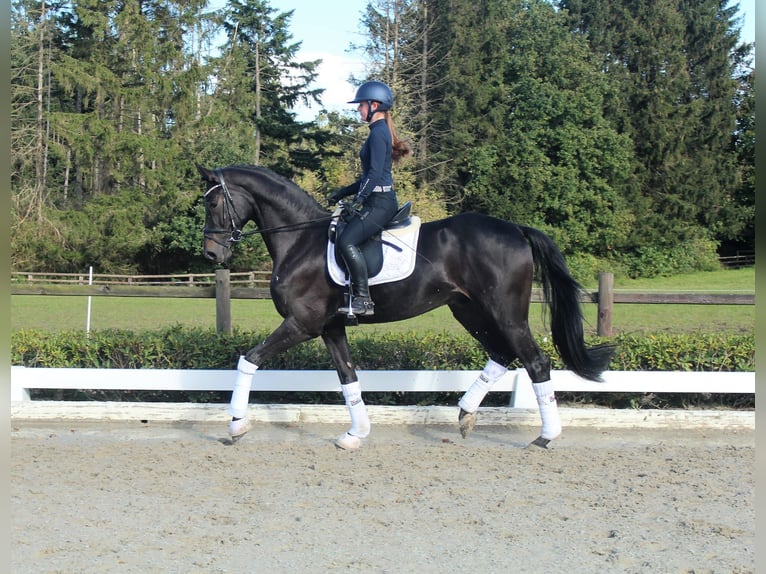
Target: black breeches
{"x": 378, "y": 210}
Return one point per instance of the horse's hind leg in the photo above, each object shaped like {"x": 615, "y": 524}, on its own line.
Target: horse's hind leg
{"x": 506, "y": 340}
{"x": 538, "y": 367}
{"x": 484, "y": 330}
{"x": 518, "y": 338}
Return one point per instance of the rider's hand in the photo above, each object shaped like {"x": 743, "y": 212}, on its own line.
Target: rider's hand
{"x": 337, "y": 195}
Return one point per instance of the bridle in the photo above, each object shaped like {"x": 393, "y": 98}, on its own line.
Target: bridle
{"x": 230, "y": 212}
{"x": 236, "y": 234}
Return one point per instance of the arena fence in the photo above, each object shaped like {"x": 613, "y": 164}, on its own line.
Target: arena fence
{"x": 522, "y": 409}
{"x": 516, "y": 381}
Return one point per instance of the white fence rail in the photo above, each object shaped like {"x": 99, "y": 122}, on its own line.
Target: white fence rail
{"x": 516, "y": 381}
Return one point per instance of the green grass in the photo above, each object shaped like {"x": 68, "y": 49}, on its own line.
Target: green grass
{"x": 64, "y": 313}
{"x": 726, "y": 280}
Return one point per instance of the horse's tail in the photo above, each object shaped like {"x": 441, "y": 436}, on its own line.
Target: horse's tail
{"x": 562, "y": 294}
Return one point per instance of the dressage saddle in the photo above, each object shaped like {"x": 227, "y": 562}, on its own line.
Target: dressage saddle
{"x": 372, "y": 249}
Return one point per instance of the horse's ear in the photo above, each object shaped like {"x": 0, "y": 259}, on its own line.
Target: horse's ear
{"x": 207, "y": 174}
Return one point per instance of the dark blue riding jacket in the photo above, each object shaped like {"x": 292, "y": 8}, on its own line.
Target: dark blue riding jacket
{"x": 376, "y": 163}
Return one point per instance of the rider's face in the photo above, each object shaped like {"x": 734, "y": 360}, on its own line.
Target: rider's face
{"x": 363, "y": 107}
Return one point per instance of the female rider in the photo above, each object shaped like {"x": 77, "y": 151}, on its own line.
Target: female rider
{"x": 375, "y": 200}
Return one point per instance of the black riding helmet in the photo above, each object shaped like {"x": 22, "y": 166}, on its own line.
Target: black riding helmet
{"x": 374, "y": 91}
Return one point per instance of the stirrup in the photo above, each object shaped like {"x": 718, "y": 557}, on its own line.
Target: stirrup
{"x": 359, "y": 306}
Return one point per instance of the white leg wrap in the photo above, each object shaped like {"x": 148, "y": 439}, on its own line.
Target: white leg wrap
{"x": 240, "y": 395}
{"x": 549, "y": 409}
{"x": 360, "y": 420}
{"x": 472, "y": 398}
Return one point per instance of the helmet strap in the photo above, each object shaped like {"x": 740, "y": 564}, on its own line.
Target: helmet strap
{"x": 370, "y": 112}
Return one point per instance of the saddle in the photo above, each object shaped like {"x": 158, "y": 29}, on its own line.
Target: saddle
{"x": 394, "y": 246}
{"x": 400, "y": 219}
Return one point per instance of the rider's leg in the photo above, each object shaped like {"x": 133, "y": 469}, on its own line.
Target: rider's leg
{"x": 379, "y": 208}
{"x": 361, "y": 303}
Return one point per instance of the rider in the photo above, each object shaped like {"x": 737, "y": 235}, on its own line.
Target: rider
{"x": 374, "y": 201}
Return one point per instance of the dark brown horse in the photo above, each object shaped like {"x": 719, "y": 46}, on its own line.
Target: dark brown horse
{"x": 481, "y": 267}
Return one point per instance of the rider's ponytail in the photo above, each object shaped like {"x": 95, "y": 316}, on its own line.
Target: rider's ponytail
{"x": 400, "y": 148}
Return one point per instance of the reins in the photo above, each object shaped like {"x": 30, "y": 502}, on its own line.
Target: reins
{"x": 236, "y": 233}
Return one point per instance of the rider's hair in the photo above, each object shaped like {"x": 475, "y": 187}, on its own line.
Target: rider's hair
{"x": 400, "y": 148}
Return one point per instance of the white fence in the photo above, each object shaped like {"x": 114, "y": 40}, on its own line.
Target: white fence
{"x": 523, "y": 409}
{"x": 516, "y": 381}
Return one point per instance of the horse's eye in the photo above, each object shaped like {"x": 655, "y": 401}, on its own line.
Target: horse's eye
{"x": 211, "y": 199}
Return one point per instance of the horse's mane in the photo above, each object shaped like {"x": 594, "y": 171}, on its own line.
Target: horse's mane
{"x": 293, "y": 195}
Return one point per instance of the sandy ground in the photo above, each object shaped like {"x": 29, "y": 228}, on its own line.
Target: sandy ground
{"x": 131, "y": 497}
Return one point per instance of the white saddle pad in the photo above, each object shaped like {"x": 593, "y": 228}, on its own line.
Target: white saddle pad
{"x": 397, "y": 263}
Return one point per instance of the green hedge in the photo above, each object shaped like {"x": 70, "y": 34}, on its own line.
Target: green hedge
{"x": 195, "y": 348}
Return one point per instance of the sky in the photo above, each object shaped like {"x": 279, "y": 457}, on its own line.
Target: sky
{"x": 326, "y": 29}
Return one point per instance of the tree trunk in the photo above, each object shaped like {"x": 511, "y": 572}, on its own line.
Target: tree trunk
{"x": 257, "y": 154}
{"x": 423, "y": 136}
{"x": 39, "y": 189}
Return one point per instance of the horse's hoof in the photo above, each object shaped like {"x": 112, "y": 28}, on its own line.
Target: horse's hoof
{"x": 467, "y": 422}
{"x": 348, "y": 442}
{"x": 541, "y": 442}
{"x": 238, "y": 429}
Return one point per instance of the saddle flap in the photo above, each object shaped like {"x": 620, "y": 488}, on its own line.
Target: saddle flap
{"x": 395, "y": 255}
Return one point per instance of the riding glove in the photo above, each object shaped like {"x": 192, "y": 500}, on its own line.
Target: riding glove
{"x": 339, "y": 194}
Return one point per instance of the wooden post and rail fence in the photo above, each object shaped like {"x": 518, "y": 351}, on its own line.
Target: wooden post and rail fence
{"x": 224, "y": 286}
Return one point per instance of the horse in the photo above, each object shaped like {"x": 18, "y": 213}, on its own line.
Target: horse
{"x": 482, "y": 267}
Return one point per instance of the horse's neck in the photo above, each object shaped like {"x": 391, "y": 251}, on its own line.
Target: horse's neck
{"x": 274, "y": 210}
{"x": 291, "y": 246}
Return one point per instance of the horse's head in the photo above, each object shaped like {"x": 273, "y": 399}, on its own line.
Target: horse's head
{"x": 225, "y": 214}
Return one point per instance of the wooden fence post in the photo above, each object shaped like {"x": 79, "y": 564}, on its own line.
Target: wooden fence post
{"x": 223, "y": 301}
{"x": 605, "y": 304}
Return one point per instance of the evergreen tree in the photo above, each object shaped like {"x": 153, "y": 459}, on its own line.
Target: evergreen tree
{"x": 736, "y": 226}
{"x": 525, "y": 137}
{"x": 671, "y": 62}
{"x": 259, "y": 83}
{"x": 621, "y": 128}
{"x": 29, "y": 55}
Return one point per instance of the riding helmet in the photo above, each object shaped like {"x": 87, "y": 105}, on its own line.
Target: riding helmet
{"x": 375, "y": 91}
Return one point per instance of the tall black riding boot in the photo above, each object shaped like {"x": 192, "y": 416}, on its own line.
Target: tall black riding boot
{"x": 361, "y": 303}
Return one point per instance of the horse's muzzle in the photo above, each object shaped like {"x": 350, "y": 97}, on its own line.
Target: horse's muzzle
{"x": 215, "y": 252}
{"x": 214, "y": 257}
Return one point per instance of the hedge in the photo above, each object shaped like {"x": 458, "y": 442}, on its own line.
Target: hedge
{"x": 196, "y": 348}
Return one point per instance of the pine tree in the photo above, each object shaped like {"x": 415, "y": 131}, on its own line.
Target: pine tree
{"x": 523, "y": 137}
{"x": 671, "y": 61}
{"x": 260, "y": 82}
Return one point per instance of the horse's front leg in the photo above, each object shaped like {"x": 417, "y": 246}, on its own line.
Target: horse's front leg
{"x": 287, "y": 335}
{"x": 337, "y": 344}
